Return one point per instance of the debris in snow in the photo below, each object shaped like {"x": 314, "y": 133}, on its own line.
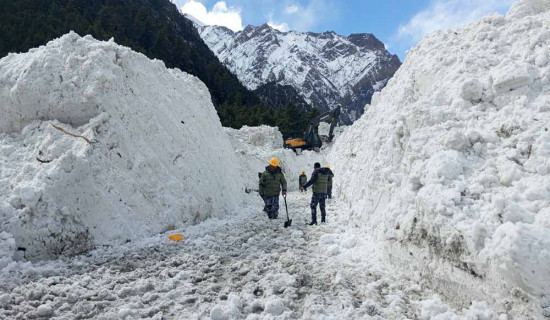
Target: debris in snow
{"x": 71, "y": 134}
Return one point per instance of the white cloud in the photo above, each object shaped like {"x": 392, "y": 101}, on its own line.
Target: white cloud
{"x": 278, "y": 26}
{"x": 301, "y": 17}
{"x": 310, "y": 15}
{"x": 281, "y": 26}
{"x": 292, "y": 9}
{"x": 444, "y": 14}
{"x": 220, "y": 15}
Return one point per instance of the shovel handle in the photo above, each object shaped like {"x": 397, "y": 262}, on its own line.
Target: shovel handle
{"x": 286, "y": 208}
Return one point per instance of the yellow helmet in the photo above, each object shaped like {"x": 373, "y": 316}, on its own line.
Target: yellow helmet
{"x": 328, "y": 166}
{"x": 303, "y": 171}
{"x": 274, "y": 162}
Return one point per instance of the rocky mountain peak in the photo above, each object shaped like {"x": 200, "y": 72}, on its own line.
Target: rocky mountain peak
{"x": 367, "y": 41}
{"x": 326, "y": 69}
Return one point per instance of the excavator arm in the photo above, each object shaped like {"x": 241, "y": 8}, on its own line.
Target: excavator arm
{"x": 311, "y": 139}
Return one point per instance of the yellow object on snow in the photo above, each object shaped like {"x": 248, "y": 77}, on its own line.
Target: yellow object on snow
{"x": 178, "y": 237}
{"x": 295, "y": 143}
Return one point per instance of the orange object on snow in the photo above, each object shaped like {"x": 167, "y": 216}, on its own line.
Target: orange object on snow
{"x": 176, "y": 237}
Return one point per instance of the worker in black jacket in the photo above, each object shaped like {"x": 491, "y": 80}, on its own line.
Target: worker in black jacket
{"x": 319, "y": 180}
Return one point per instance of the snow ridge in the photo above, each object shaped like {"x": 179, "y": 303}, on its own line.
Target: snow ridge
{"x": 325, "y": 68}
{"x": 448, "y": 169}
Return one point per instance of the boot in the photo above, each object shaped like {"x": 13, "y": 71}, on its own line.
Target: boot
{"x": 313, "y": 218}
{"x": 323, "y": 219}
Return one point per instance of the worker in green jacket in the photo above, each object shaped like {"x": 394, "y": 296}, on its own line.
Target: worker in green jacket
{"x": 302, "y": 179}
{"x": 329, "y": 188}
{"x": 272, "y": 181}
{"x": 319, "y": 180}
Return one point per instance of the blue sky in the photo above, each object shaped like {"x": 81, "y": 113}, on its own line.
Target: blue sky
{"x": 400, "y": 24}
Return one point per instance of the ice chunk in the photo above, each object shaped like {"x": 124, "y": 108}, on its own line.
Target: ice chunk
{"x": 522, "y": 255}
{"x": 445, "y": 164}
{"x": 275, "y": 306}
{"x": 472, "y": 90}
{"x": 510, "y": 75}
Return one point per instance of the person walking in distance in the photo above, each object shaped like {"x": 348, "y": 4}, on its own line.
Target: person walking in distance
{"x": 302, "y": 179}
{"x": 319, "y": 181}
{"x": 272, "y": 181}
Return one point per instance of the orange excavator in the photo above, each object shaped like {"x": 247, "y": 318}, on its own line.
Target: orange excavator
{"x": 311, "y": 139}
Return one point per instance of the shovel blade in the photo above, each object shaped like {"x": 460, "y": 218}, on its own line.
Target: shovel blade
{"x": 288, "y": 223}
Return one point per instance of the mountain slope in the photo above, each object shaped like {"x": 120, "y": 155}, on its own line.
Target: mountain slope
{"x": 275, "y": 95}
{"x": 325, "y": 68}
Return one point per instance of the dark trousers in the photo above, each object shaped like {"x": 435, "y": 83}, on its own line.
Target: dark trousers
{"x": 271, "y": 207}
{"x": 318, "y": 198}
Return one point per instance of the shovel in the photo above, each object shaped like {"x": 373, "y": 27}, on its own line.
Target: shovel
{"x": 288, "y": 221}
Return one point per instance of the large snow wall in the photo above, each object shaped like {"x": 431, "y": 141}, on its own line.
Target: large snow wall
{"x": 254, "y": 146}
{"x": 158, "y": 157}
{"x": 448, "y": 171}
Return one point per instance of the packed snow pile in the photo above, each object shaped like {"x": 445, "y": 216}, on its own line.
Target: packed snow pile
{"x": 254, "y": 146}
{"x": 99, "y": 144}
{"x": 449, "y": 169}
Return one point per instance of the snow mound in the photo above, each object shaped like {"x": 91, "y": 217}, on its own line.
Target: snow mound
{"x": 154, "y": 156}
{"x": 449, "y": 168}
{"x": 524, "y": 8}
{"x": 254, "y": 146}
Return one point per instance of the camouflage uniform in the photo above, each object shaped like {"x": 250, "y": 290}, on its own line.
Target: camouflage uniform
{"x": 272, "y": 207}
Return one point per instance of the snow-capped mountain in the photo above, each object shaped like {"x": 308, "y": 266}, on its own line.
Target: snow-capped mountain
{"x": 326, "y": 69}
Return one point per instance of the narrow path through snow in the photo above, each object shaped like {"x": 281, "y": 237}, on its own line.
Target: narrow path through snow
{"x": 243, "y": 268}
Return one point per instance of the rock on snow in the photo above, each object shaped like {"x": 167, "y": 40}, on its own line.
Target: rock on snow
{"x": 159, "y": 158}
{"x": 456, "y": 151}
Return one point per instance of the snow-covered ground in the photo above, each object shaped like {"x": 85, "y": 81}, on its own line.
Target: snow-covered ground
{"x": 448, "y": 171}
{"x": 245, "y": 267}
